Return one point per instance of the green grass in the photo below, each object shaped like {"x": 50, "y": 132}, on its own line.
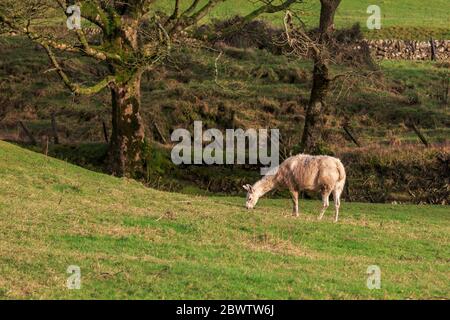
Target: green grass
{"x": 401, "y": 19}
{"x": 135, "y": 242}
{"x": 409, "y": 19}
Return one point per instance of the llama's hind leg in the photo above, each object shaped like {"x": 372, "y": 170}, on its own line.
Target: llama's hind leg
{"x": 325, "y": 202}
{"x": 294, "y": 195}
{"x": 337, "y": 203}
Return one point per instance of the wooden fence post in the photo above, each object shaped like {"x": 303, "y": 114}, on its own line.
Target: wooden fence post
{"x": 54, "y": 130}
{"x": 433, "y": 49}
{"x": 45, "y": 145}
{"x": 419, "y": 134}
{"x": 351, "y": 136}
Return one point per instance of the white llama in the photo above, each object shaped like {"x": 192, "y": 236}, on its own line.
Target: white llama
{"x": 322, "y": 174}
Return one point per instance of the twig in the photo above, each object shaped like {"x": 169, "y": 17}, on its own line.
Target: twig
{"x": 216, "y": 70}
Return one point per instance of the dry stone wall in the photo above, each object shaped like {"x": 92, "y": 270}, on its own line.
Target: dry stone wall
{"x": 409, "y": 49}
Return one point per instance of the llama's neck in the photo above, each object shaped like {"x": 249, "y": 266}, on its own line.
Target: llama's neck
{"x": 265, "y": 185}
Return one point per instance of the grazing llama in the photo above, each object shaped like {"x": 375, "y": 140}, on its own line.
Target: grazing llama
{"x": 322, "y": 174}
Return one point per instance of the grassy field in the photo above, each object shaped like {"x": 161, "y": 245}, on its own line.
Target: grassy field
{"x": 407, "y": 19}
{"x": 134, "y": 242}
{"x": 400, "y": 19}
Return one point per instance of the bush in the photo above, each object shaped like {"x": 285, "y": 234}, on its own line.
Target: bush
{"x": 256, "y": 34}
{"x": 408, "y": 174}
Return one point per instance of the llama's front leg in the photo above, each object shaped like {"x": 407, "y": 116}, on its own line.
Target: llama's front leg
{"x": 294, "y": 195}
{"x": 325, "y": 202}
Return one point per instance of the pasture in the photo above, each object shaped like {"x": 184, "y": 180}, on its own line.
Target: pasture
{"x": 182, "y": 231}
{"x": 410, "y": 19}
{"x": 134, "y": 242}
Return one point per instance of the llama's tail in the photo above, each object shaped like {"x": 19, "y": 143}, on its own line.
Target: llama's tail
{"x": 342, "y": 175}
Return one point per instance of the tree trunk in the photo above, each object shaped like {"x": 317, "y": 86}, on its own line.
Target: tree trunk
{"x": 127, "y": 139}
{"x": 327, "y": 12}
{"x": 321, "y": 79}
{"x": 311, "y": 130}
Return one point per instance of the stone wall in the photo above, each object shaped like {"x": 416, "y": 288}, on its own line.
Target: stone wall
{"x": 409, "y": 49}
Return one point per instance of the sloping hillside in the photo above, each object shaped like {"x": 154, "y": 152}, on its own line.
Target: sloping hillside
{"x": 133, "y": 242}
{"x": 256, "y": 89}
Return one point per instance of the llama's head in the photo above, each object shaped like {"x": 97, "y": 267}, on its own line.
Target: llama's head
{"x": 252, "y": 196}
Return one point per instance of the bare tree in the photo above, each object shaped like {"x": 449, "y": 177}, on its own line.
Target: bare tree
{"x": 135, "y": 37}
{"x": 303, "y": 44}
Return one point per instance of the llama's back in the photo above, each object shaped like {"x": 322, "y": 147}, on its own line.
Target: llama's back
{"x": 308, "y": 172}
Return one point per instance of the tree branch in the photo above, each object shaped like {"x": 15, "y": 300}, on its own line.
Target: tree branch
{"x": 87, "y": 49}
{"x": 176, "y": 10}
{"x": 204, "y": 10}
{"x": 191, "y": 9}
{"x": 74, "y": 87}
{"x": 32, "y": 36}
{"x": 91, "y": 10}
{"x": 267, "y": 8}
{"x": 297, "y": 38}
{"x": 190, "y": 17}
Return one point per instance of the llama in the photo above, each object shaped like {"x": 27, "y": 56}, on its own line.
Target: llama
{"x": 322, "y": 174}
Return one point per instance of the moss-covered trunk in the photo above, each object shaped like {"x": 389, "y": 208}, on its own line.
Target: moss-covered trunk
{"x": 127, "y": 140}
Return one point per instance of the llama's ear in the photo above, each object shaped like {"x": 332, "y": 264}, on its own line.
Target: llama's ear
{"x": 247, "y": 187}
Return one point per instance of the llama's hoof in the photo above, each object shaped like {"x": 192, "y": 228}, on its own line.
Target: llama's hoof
{"x": 335, "y": 221}
{"x": 295, "y": 215}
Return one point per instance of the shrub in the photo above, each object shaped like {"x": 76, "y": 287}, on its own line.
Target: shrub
{"x": 407, "y": 174}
